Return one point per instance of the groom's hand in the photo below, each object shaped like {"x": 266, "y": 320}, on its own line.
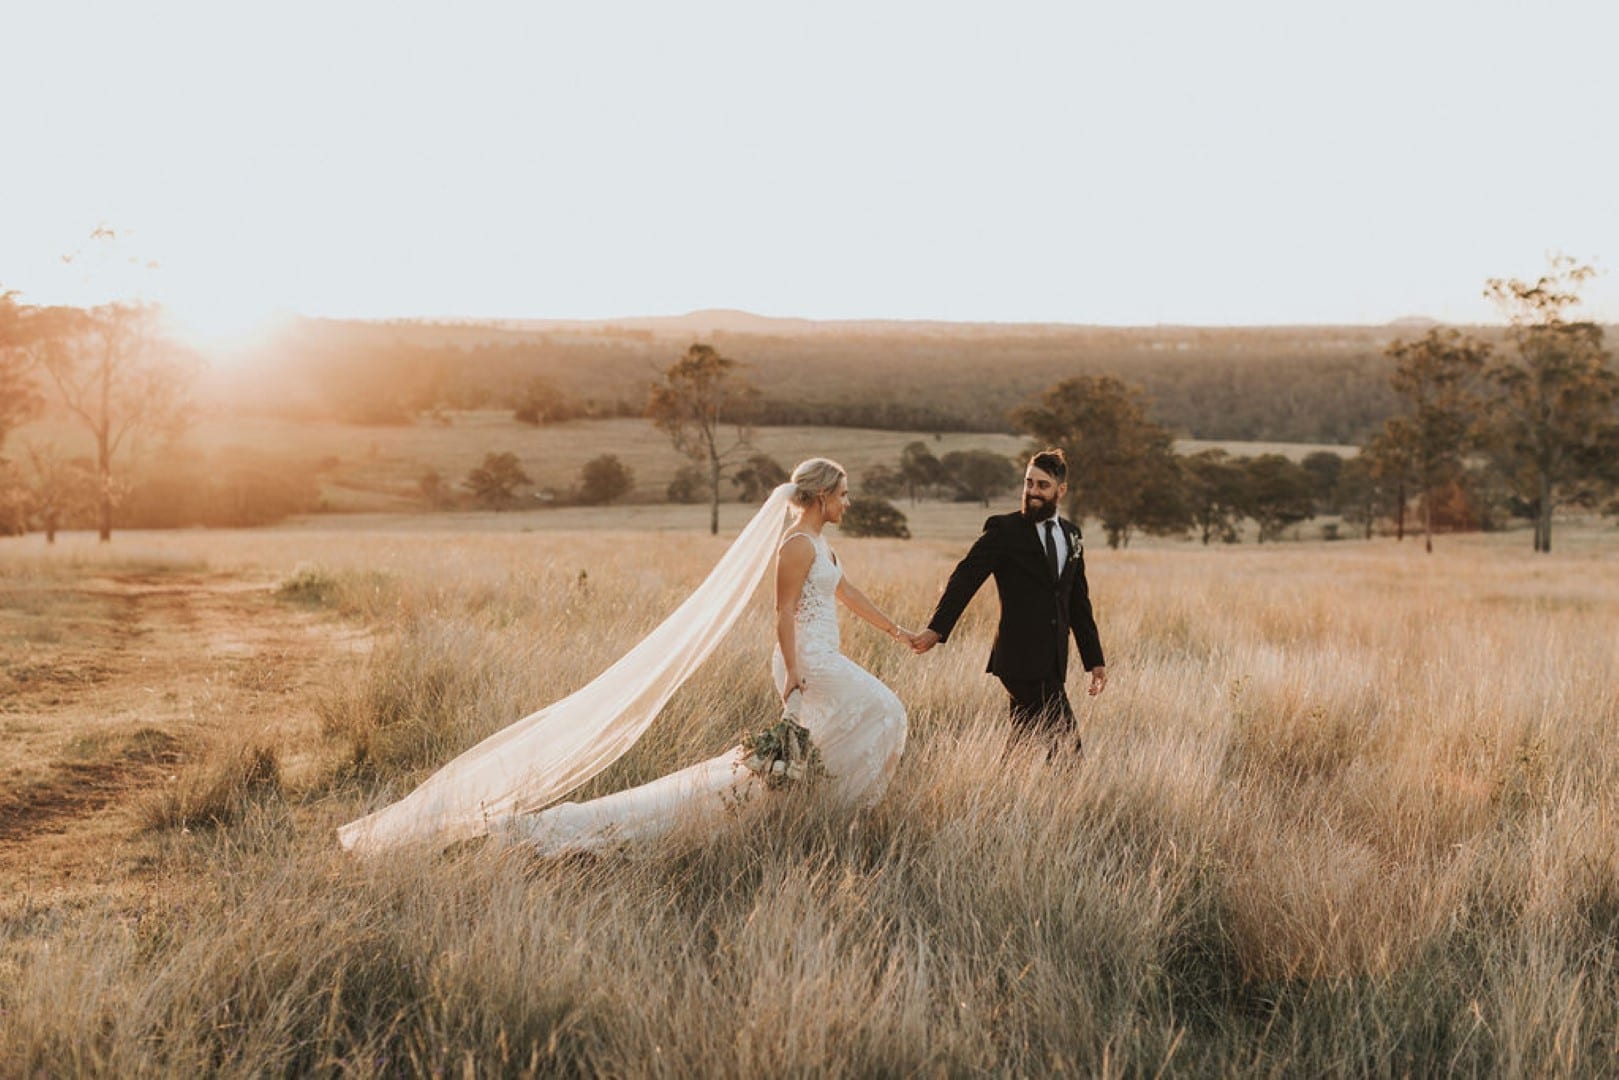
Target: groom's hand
{"x": 924, "y": 641}
{"x": 1098, "y": 680}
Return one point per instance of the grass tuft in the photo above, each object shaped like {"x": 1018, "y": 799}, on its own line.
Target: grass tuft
{"x": 218, "y": 792}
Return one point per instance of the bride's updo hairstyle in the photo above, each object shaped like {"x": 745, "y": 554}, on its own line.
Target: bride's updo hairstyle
{"x": 816, "y": 477}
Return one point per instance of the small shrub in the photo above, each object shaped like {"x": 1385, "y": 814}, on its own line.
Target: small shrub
{"x": 495, "y": 482}
{"x": 883, "y": 481}
{"x": 360, "y": 593}
{"x": 312, "y": 586}
{"x": 874, "y": 517}
{"x": 604, "y": 479}
{"x": 221, "y": 791}
{"x": 434, "y": 491}
{"x": 759, "y": 477}
{"x": 690, "y": 485}
{"x": 542, "y": 403}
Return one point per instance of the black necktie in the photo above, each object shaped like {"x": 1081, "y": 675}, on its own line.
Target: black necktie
{"x": 1051, "y": 548}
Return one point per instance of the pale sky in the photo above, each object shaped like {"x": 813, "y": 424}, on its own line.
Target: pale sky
{"x": 1233, "y": 162}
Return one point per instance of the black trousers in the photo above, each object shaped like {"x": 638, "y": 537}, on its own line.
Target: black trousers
{"x": 1042, "y": 715}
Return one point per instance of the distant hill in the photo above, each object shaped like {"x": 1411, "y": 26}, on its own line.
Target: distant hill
{"x": 733, "y": 321}
{"x": 709, "y": 321}
{"x": 1323, "y": 384}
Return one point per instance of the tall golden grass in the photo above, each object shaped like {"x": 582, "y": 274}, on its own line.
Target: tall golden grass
{"x": 1344, "y": 810}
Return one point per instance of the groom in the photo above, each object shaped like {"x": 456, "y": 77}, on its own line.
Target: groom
{"x": 1039, "y": 570}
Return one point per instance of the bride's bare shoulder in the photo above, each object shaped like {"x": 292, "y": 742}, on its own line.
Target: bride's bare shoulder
{"x": 793, "y": 559}
{"x": 796, "y": 549}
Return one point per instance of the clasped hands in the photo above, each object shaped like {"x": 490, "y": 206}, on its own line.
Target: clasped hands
{"x": 918, "y": 643}
{"x": 903, "y": 636}
{"x": 921, "y": 643}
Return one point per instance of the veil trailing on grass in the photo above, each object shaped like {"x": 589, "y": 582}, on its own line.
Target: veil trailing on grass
{"x": 543, "y": 756}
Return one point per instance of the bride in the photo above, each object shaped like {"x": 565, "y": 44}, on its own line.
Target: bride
{"x": 855, "y": 722}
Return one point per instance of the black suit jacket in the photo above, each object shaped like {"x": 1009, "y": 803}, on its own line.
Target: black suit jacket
{"x": 1037, "y": 612}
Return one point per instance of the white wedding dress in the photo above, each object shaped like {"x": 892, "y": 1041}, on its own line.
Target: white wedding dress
{"x": 855, "y": 721}
{"x": 510, "y": 782}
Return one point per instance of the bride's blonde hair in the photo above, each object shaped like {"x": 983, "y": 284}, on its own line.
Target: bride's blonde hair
{"x": 816, "y": 477}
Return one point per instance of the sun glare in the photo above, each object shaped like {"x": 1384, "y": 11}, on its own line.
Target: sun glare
{"x": 220, "y": 325}
{"x": 208, "y": 309}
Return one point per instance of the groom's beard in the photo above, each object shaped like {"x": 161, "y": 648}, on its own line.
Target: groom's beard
{"x": 1038, "y": 509}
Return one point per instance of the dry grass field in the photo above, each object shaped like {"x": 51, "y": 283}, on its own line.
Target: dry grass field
{"x": 1345, "y": 810}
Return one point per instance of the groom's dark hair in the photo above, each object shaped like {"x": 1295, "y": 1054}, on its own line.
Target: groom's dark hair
{"x": 1052, "y": 462}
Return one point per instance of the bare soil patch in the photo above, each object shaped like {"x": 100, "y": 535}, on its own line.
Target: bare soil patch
{"x": 112, "y": 684}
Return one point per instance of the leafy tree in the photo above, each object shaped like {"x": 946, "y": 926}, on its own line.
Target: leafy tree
{"x": 19, "y": 403}
{"x": 978, "y": 474}
{"x": 874, "y": 517}
{"x": 1391, "y": 463}
{"x": 1601, "y": 465}
{"x": 1280, "y": 494}
{"x": 1358, "y": 495}
{"x": 1324, "y": 467}
{"x": 431, "y": 487}
{"x": 61, "y": 488}
{"x": 1433, "y": 376}
{"x": 118, "y": 377}
{"x": 541, "y": 403}
{"x": 919, "y": 468}
{"x": 15, "y": 503}
{"x": 495, "y": 482}
{"x": 761, "y": 475}
{"x": 1156, "y": 503}
{"x": 1216, "y": 493}
{"x": 604, "y": 479}
{"x": 1553, "y": 405}
{"x": 1487, "y": 495}
{"x": 699, "y": 394}
{"x": 1121, "y": 465}
{"x": 883, "y": 481}
{"x": 19, "y": 397}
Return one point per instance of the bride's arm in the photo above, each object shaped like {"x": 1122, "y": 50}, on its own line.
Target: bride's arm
{"x": 859, "y": 603}
{"x": 792, "y": 569}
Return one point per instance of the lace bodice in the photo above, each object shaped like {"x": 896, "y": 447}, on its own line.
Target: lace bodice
{"x": 817, "y": 613}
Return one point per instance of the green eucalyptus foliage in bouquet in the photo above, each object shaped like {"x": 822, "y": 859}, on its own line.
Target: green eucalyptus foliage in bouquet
{"x": 783, "y": 754}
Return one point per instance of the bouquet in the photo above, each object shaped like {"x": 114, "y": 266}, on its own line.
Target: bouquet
{"x": 782, "y": 754}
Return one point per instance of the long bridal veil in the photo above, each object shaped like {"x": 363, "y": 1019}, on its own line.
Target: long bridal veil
{"x": 538, "y": 759}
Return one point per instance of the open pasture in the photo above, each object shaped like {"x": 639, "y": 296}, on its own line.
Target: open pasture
{"x": 377, "y": 469}
{"x": 1345, "y": 809}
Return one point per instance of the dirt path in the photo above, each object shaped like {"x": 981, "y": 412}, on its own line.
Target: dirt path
{"x": 112, "y": 685}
